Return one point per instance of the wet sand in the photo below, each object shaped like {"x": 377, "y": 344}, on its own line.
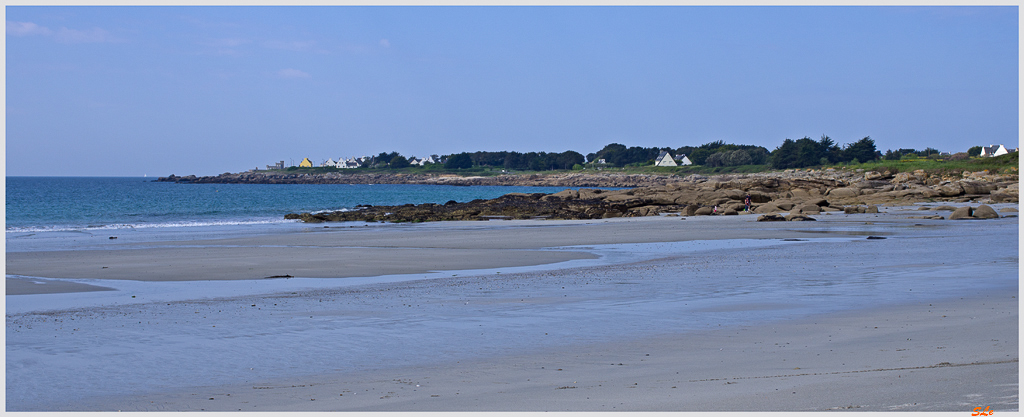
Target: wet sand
{"x": 25, "y": 286}
{"x": 343, "y": 252}
{"x": 947, "y": 355}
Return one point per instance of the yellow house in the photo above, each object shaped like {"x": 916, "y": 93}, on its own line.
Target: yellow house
{"x": 306, "y": 163}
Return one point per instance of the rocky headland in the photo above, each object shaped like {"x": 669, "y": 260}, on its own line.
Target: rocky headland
{"x": 788, "y": 195}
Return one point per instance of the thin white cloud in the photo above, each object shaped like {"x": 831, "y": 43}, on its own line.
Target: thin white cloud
{"x": 298, "y": 46}
{"x": 26, "y": 29}
{"x": 293, "y": 73}
{"x": 226, "y": 42}
{"x": 223, "y": 46}
{"x": 95, "y": 35}
{"x": 385, "y": 43}
{"x": 62, "y": 35}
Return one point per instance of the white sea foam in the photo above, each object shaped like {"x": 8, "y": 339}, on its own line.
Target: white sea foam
{"x": 122, "y": 226}
{"x": 335, "y": 210}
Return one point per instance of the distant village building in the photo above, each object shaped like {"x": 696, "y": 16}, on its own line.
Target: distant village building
{"x": 665, "y": 160}
{"x": 356, "y": 162}
{"x": 348, "y": 163}
{"x": 683, "y": 160}
{"x": 432, "y": 159}
{"x": 994, "y": 150}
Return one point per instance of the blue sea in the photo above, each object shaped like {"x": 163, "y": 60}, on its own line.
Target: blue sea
{"x": 61, "y": 213}
{"x": 47, "y": 204}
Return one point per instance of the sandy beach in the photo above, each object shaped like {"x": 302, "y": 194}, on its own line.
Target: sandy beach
{"x": 611, "y": 315}
{"x": 951, "y": 354}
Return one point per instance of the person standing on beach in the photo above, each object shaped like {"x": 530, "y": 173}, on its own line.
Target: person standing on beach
{"x": 746, "y": 202}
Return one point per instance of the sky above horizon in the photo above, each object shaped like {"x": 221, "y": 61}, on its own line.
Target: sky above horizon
{"x": 144, "y": 90}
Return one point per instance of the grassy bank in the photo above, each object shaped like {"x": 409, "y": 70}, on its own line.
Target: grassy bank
{"x": 1008, "y": 163}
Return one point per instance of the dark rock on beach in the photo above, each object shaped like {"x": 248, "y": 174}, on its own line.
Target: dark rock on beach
{"x": 972, "y": 213}
{"x": 961, "y": 213}
{"x": 509, "y": 206}
{"x": 985, "y": 212}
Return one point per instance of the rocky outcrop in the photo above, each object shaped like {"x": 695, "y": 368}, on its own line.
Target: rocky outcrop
{"x": 509, "y": 206}
{"x": 834, "y": 186}
{"x": 797, "y": 194}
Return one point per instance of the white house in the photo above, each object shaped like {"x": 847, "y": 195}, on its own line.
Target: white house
{"x": 348, "y": 163}
{"x": 683, "y": 160}
{"x": 994, "y": 150}
{"x": 432, "y": 159}
{"x": 329, "y": 163}
{"x": 665, "y": 160}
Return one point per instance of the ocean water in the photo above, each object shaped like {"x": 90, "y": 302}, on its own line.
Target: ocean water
{"x": 77, "y": 204}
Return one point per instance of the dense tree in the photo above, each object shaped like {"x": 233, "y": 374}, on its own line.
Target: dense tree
{"x": 738, "y": 157}
{"x": 619, "y": 155}
{"x": 699, "y": 156}
{"x": 535, "y": 161}
{"x": 901, "y": 153}
{"x": 801, "y": 153}
{"x": 459, "y": 161}
{"x": 398, "y": 161}
{"x": 491, "y": 159}
{"x": 716, "y": 159}
{"x": 862, "y": 150}
{"x": 567, "y": 159}
{"x": 751, "y": 155}
{"x": 974, "y": 151}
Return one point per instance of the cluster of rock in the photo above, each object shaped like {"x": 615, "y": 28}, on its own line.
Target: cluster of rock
{"x": 797, "y": 193}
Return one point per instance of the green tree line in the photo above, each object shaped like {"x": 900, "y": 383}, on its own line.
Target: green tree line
{"x": 799, "y": 153}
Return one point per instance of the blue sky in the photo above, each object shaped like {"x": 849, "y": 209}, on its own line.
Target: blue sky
{"x": 126, "y": 91}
